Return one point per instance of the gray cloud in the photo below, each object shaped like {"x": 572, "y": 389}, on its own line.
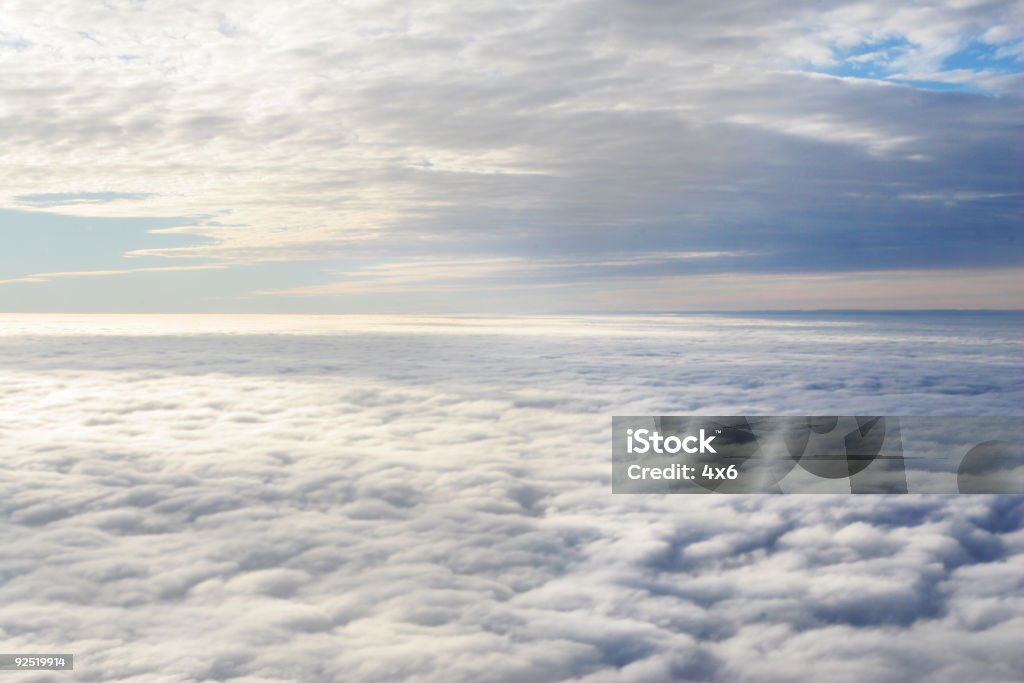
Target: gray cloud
{"x": 374, "y": 499}
{"x": 583, "y": 130}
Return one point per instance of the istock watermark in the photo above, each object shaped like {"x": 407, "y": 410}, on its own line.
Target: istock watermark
{"x": 644, "y": 441}
{"x": 817, "y": 454}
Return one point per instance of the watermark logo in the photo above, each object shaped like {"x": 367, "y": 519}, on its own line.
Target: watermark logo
{"x": 642, "y": 441}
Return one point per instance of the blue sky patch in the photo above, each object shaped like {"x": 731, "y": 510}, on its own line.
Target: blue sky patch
{"x": 874, "y": 59}
{"x": 38, "y": 242}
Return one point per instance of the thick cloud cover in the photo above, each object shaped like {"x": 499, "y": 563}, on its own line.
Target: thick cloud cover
{"x": 375, "y": 499}
{"x": 477, "y": 144}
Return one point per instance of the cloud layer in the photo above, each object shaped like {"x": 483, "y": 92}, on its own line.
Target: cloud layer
{"x": 398, "y": 499}
{"x": 365, "y": 136}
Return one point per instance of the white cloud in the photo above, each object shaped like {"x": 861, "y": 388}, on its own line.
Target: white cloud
{"x": 832, "y": 131}
{"x": 496, "y": 273}
{"x": 381, "y": 499}
{"x": 43, "y": 277}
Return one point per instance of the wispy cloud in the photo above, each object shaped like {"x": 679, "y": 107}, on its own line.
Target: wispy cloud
{"x": 58, "y": 199}
{"x": 823, "y": 128}
{"x": 500, "y": 273}
{"x": 44, "y": 277}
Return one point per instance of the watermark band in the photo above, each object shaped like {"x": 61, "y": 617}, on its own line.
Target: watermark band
{"x": 817, "y": 454}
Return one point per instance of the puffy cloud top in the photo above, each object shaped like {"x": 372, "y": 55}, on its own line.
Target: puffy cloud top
{"x": 385, "y": 500}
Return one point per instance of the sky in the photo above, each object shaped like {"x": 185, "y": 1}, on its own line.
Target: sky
{"x": 303, "y": 498}
{"x": 363, "y": 157}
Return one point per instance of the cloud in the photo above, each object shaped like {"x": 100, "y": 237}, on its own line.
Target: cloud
{"x": 822, "y": 129}
{"x": 73, "y": 198}
{"x": 353, "y": 134}
{"x": 408, "y": 276}
{"x": 991, "y": 288}
{"x": 44, "y": 277}
{"x": 307, "y": 498}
